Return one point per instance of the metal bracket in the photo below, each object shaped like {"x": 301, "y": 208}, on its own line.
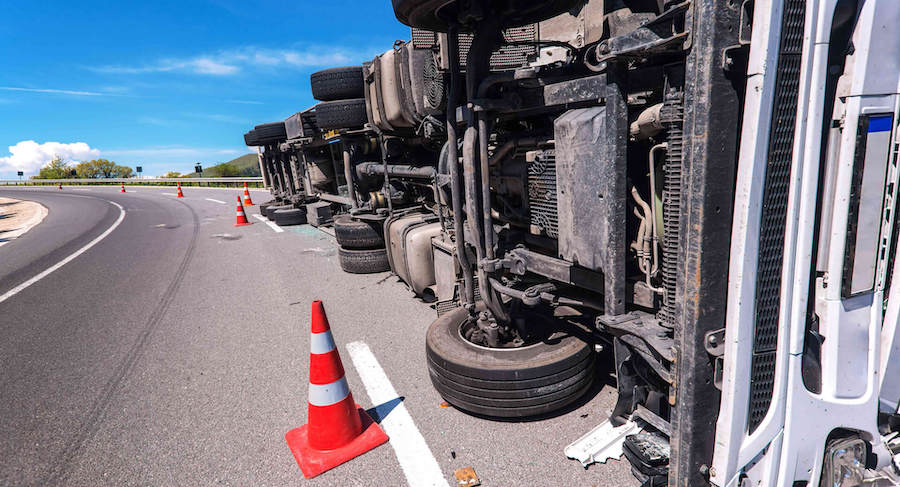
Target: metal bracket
{"x": 643, "y": 326}
{"x": 656, "y": 36}
{"x": 714, "y": 341}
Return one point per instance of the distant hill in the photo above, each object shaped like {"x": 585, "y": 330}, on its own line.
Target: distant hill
{"x": 246, "y": 165}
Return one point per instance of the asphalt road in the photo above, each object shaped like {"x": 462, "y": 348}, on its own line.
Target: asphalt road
{"x": 175, "y": 350}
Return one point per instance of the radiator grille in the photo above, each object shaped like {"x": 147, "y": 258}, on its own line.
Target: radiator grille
{"x": 774, "y": 210}
{"x": 509, "y": 56}
{"x": 542, "y": 206}
{"x": 423, "y": 39}
{"x": 448, "y": 305}
{"x": 672, "y": 115}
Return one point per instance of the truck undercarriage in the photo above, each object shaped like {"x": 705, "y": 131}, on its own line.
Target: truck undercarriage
{"x": 565, "y": 178}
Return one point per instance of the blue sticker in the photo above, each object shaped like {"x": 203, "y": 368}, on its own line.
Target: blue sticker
{"x": 880, "y": 123}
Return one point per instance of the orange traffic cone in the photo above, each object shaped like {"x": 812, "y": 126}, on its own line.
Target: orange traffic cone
{"x": 247, "y": 200}
{"x": 241, "y": 217}
{"x": 123, "y": 188}
{"x": 180, "y": 194}
{"x": 338, "y": 429}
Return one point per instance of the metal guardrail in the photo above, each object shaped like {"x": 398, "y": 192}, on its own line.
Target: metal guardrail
{"x": 254, "y": 181}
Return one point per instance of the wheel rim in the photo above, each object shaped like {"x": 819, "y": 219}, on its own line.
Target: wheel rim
{"x": 533, "y": 341}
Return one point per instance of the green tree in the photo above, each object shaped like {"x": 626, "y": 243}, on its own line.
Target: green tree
{"x": 172, "y": 174}
{"x": 55, "y": 169}
{"x": 102, "y": 168}
{"x": 87, "y": 170}
{"x": 122, "y": 172}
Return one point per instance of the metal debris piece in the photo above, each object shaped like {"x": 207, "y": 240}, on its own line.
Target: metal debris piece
{"x": 601, "y": 443}
{"x": 466, "y": 477}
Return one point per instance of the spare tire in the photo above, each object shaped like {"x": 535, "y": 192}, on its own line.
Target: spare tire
{"x": 341, "y": 114}
{"x": 290, "y": 216}
{"x": 506, "y": 382}
{"x": 337, "y": 83}
{"x": 363, "y": 261}
{"x": 270, "y": 211}
{"x": 351, "y": 233}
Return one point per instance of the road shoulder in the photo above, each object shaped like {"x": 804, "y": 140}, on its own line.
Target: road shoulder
{"x": 18, "y": 216}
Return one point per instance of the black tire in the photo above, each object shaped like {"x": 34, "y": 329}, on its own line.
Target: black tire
{"x": 363, "y": 261}
{"x": 426, "y": 14}
{"x": 507, "y": 383}
{"x": 290, "y": 216}
{"x": 337, "y": 83}
{"x": 264, "y": 206}
{"x": 341, "y": 114}
{"x": 251, "y": 139}
{"x": 351, "y": 233}
{"x": 269, "y": 133}
{"x": 270, "y": 211}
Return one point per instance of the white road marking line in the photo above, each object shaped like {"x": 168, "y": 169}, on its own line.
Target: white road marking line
{"x": 215, "y": 201}
{"x": 28, "y": 225}
{"x": 16, "y": 290}
{"x": 80, "y": 189}
{"x": 271, "y": 225}
{"x": 416, "y": 460}
{"x": 169, "y": 194}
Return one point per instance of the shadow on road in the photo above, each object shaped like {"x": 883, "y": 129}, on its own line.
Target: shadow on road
{"x": 379, "y": 412}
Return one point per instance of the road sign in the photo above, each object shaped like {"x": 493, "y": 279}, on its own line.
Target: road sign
{"x": 198, "y": 169}
{"x": 139, "y": 169}
{"x": 21, "y": 173}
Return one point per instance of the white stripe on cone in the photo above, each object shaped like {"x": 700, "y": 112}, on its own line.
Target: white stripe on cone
{"x": 321, "y": 343}
{"x": 328, "y": 394}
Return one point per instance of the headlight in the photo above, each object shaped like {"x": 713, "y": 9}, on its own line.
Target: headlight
{"x": 845, "y": 463}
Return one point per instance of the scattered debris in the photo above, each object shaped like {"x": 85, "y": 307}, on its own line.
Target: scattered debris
{"x": 601, "y": 443}
{"x": 225, "y": 236}
{"x": 445, "y": 404}
{"x": 318, "y": 251}
{"x": 466, "y": 477}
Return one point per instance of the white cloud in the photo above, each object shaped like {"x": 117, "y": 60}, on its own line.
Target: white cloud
{"x": 245, "y": 102}
{"x": 54, "y": 91}
{"x": 229, "y": 62}
{"x": 30, "y": 157}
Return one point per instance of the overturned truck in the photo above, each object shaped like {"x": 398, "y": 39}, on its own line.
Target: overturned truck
{"x": 704, "y": 190}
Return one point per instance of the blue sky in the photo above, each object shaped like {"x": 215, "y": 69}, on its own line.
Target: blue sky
{"x": 164, "y": 84}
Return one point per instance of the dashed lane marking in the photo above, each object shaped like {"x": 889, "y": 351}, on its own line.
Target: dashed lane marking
{"x": 16, "y": 290}
{"x": 215, "y": 201}
{"x": 169, "y": 194}
{"x": 418, "y": 463}
{"x": 271, "y": 225}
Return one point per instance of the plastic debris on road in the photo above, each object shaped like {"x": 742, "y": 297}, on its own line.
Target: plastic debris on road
{"x": 601, "y": 443}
